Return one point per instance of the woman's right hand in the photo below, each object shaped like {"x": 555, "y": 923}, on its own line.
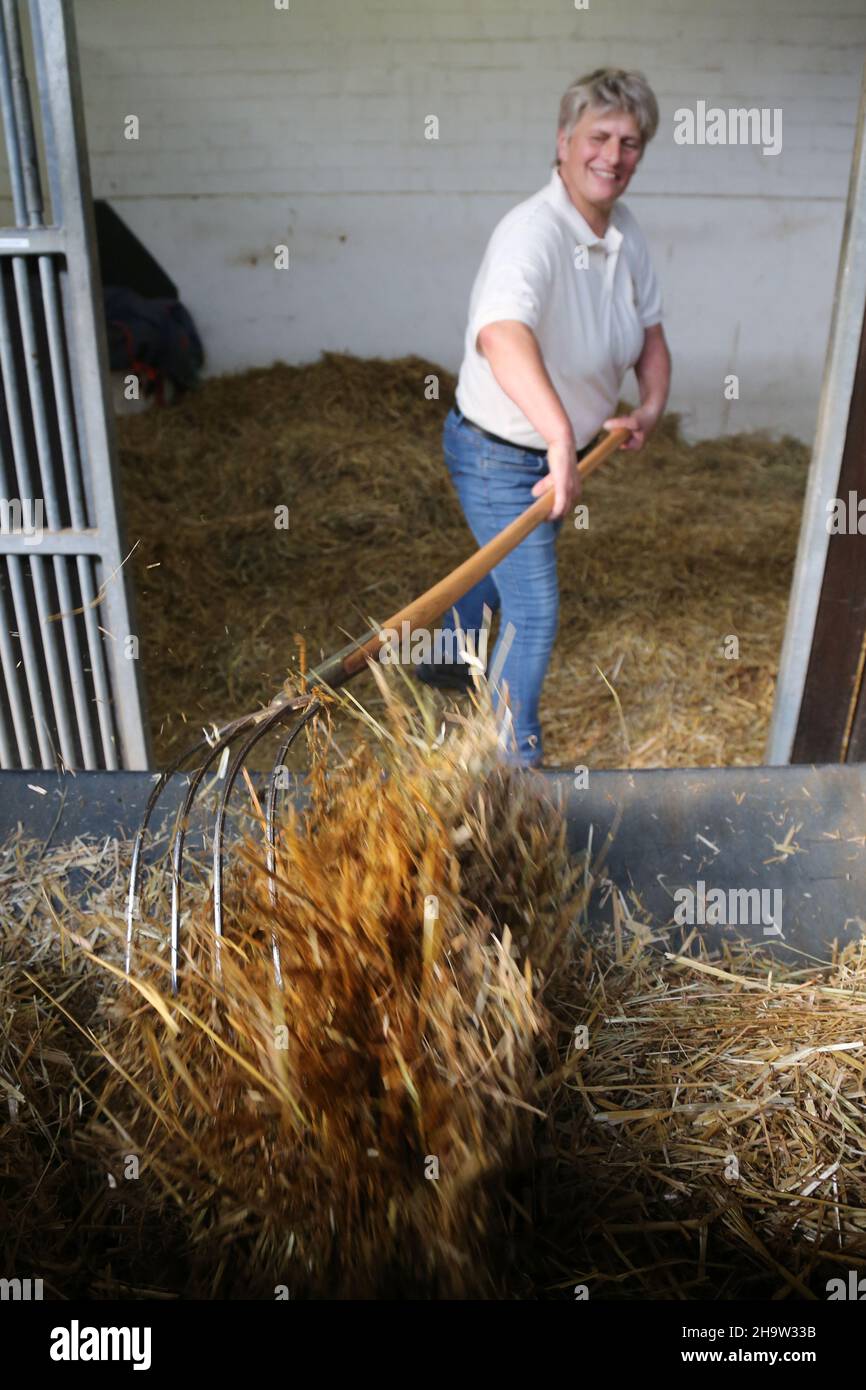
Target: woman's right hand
{"x": 516, "y": 362}
{"x": 563, "y": 477}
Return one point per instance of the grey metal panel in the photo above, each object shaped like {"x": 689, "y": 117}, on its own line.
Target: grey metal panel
{"x": 50, "y": 492}
{"x": 645, "y": 833}
{"x": 69, "y": 175}
{"x": 55, "y": 697}
{"x": 37, "y": 241}
{"x": 54, "y": 543}
{"x": 847, "y": 323}
{"x": 66, "y": 593}
{"x": 796, "y": 831}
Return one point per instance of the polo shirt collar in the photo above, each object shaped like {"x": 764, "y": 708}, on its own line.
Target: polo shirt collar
{"x": 558, "y": 195}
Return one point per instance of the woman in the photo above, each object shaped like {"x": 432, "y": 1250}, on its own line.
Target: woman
{"x": 565, "y": 302}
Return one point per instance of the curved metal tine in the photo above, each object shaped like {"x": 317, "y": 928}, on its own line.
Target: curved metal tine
{"x": 159, "y": 788}
{"x": 177, "y": 850}
{"x": 135, "y": 866}
{"x": 270, "y": 823}
{"x": 265, "y": 727}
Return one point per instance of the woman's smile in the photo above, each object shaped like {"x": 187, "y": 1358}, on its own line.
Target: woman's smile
{"x": 597, "y": 160}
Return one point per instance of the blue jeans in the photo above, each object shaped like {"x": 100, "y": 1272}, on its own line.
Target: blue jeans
{"x": 494, "y": 483}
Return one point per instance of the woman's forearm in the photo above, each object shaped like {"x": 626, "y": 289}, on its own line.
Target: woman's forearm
{"x": 515, "y": 360}
{"x": 653, "y": 371}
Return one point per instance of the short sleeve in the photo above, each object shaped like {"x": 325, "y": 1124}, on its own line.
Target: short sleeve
{"x": 649, "y": 295}
{"x": 514, "y": 284}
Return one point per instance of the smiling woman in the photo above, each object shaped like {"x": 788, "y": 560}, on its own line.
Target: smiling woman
{"x": 565, "y": 303}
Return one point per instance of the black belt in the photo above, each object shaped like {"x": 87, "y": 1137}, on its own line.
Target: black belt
{"x": 509, "y": 443}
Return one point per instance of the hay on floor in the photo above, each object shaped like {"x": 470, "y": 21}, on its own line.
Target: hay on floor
{"x": 644, "y": 1122}
{"x": 66, "y": 1216}
{"x": 423, "y": 901}
{"x": 710, "y": 1131}
{"x": 675, "y": 594}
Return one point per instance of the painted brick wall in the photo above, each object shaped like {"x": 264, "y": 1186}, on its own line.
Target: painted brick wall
{"x": 306, "y": 126}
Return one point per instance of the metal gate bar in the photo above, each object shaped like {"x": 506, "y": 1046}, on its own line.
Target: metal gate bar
{"x": 70, "y": 619}
{"x": 12, "y": 687}
{"x": 798, "y": 697}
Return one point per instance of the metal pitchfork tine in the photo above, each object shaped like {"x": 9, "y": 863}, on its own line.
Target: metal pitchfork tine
{"x": 262, "y": 721}
{"x": 331, "y": 674}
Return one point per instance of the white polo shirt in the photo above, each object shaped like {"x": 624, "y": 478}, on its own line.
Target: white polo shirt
{"x": 589, "y": 321}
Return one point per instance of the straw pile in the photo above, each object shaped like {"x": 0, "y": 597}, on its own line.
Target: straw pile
{"x": 355, "y": 1133}
{"x": 35, "y": 1068}
{"x": 711, "y": 1138}
{"x": 417, "y": 1111}
{"x": 38, "y": 1092}
{"x": 63, "y": 1218}
{"x": 707, "y": 1141}
{"x": 687, "y": 545}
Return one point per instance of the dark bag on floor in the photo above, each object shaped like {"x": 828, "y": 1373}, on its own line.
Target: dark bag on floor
{"x": 154, "y": 338}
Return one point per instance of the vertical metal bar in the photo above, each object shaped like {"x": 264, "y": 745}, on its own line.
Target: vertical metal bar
{"x": 45, "y": 77}
{"x": 39, "y": 570}
{"x": 20, "y": 104}
{"x": 31, "y": 661}
{"x": 22, "y": 167}
{"x": 96, "y": 653}
{"x": 7, "y": 650}
{"x": 55, "y": 329}
{"x": 68, "y": 310}
{"x": 7, "y": 105}
{"x": 75, "y": 666}
{"x": 96, "y": 648}
{"x": 7, "y": 757}
{"x": 824, "y": 472}
{"x": 17, "y": 707}
{"x": 47, "y": 485}
{"x": 69, "y": 449}
{"x": 55, "y": 326}
{"x": 62, "y": 401}
{"x": 63, "y": 126}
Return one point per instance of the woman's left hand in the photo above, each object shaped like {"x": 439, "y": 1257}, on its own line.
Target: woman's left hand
{"x": 641, "y": 422}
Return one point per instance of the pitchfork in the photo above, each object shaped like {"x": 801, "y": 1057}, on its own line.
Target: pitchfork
{"x": 297, "y": 711}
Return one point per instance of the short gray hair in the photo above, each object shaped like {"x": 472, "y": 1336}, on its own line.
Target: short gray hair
{"x": 611, "y": 89}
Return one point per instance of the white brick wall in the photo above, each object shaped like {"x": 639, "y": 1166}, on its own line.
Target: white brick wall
{"x": 260, "y": 126}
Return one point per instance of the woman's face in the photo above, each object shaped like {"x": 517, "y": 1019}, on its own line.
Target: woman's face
{"x": 599, "y": 157}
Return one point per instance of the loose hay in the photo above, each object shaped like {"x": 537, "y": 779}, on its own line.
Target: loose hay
{"x": 708, "y": 1141}
{"x": 687, "y": 545}
{"x": 712, "y": 1136}
{"x": 61, "y": 1220}
{"x": 354, "y": 1133}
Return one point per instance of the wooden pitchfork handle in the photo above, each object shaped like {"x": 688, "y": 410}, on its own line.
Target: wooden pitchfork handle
{"x": 430, "y": 606}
